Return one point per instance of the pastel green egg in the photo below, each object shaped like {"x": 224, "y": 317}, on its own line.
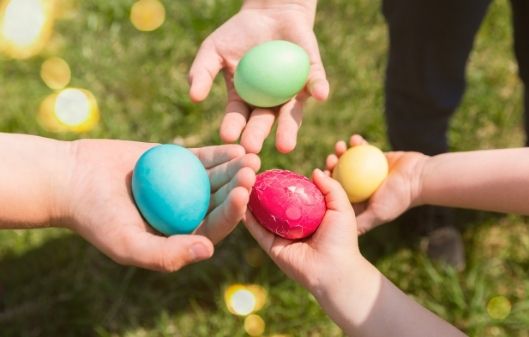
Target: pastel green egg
{"x": 272, "y": 73}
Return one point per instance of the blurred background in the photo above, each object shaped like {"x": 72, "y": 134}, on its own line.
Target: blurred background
{"x": 118, "y": 69}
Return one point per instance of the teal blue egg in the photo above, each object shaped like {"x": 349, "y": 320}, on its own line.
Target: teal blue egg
{"x": 271, "y": 73}
{"x": 171, "y": 189}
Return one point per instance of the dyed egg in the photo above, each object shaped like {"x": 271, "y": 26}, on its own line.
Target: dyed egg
{"x": 360, "y": 171}
{"x": 171, "y": 189}
{"x": 287, "y": 204}
{"x": 272, "y": 73}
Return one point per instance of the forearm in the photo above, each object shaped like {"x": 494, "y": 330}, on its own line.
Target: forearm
{"x": 33, "y": 170}
{"x": 493, "y": 180}
{"x": 364, "y": 303}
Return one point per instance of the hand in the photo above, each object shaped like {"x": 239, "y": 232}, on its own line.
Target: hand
{"x": 333, "y": 248}
{"x": 102, "y": 210}
{"x": 254, "y": 24}
{"x": 351, "y": 290}
{"x": 396, "y": 194}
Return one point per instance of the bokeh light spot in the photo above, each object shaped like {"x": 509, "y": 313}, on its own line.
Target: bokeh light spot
{"x": 71, "y": 109}
{"x": 147, "y": 15}
{"x": 243, "y": 300}
{"x": 55, "y": 72}
{"x": 25, "y": 26}
{"x": 239, "y": 300}
{"x": 499, "y": 307}
{"x": 254, "y": 325}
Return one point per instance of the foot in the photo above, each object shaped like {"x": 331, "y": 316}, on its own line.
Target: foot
{"x": 442, "y": 241}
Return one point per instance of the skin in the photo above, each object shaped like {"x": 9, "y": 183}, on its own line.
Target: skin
{"x": 259, "y": 21}
{"x": 492, "y": 180}
{"x": 85, "y": 186}
{"x": 329, "y": 264}
{"x": 351, "y": 290}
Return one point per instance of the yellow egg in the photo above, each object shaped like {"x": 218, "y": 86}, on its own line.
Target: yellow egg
{"x": 360, "y": 171}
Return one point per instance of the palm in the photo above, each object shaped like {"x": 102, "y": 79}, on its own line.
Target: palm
{"x": 104, "y": 212}
{"x": 304, "y": 260}
{"x": 394, "y": 196}
{"x": 396, "y": 193}
{"x": 224, "y": 48}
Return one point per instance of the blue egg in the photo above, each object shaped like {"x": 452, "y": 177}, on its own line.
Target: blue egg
{"x": 171, "y": 189}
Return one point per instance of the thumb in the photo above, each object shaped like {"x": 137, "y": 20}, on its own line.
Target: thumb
{"x": 204, "y": 69}
{"x": 335, "y": 196}
{"x": 166, "y": 254}
{"x": 338, "y": 227}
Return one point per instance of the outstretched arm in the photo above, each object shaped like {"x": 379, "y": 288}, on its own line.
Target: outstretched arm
{"x": 492, "y": 180}
{"x": 85, "y": 186}
{"x": 351, "y": 290}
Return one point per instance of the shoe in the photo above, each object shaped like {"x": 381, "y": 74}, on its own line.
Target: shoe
{"x": 442, "y": 241}
{"x": 445, "y": 245}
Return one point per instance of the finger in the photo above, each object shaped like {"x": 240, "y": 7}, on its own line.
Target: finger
{"x": 204, "y": 69}
{"x": 335, "y": 196}
{"x": 211, "y": 156}
{"x": 330, "y": 163}
{"x": 317, "y": 83}
{"x": 236, "y": 115}
{"x": 366, "y": 221}
{"x": 340, "y": 148}
{"x": 224, "y": 218}
{"x": 223, "y": 173}
{"x": 356, "y": 140}
{"x": 288, "y": 124}
{"x": 257, "y": 129}
{"x": 264, "y": 238}
{"x": 245, "y": 177}
{"x": 160, "y": 253}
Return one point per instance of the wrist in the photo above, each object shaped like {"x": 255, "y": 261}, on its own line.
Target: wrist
{"x": 304, "y": 6}
{"x": 417, "y": 180}
{"x": 349, "y": 299}
{"x": 61, "y": 167}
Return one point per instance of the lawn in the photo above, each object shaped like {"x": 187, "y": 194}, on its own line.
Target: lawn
{"x": 55, "y": 284}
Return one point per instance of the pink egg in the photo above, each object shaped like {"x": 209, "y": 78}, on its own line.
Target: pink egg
{"x": 287, "y": 204}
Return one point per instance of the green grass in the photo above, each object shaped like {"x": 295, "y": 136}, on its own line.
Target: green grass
{"x": 55, "y": 284}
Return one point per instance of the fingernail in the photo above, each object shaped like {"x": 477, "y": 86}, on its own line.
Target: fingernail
{"x": 199, "y": 252}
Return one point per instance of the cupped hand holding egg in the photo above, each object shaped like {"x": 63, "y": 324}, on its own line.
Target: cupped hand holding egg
{"x": 287, "y": 204}
{"x": 171, "y": 189}
{"x": 272, "y": 73}
{"x": 360, "y": 171}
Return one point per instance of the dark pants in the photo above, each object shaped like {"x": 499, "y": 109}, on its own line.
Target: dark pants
{"x": 430, "y": 41}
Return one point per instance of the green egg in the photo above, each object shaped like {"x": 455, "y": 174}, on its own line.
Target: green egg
{"x": 272, "y": 73}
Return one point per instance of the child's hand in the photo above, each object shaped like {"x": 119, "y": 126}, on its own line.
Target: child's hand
{"x": 396, "y": 194}
{"x": 315, "y": 262}
{"x": 257, "y": 22}
{"x": 102, "y": 210}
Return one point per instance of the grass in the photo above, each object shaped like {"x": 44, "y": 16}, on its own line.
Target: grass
{"x": 55, "y": 284}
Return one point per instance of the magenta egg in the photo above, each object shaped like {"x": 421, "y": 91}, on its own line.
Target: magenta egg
{"x": 287, "y": 204}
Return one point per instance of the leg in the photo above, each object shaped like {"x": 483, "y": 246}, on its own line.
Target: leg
{"x": 429, "y": 46}
{"x": 520, "y": 21}
{"x": 430, "y": 42}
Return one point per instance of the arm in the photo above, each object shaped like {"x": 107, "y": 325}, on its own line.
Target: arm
{"x": 85, "y": 186}
{"x": 259, "y": 21}
{"x": 363, "y": 302}
{"x": 33, "y": 172}
{"x": 352, "y": 291}
{"x": 490, "y": 180}
{"x": 493, "y": 180}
